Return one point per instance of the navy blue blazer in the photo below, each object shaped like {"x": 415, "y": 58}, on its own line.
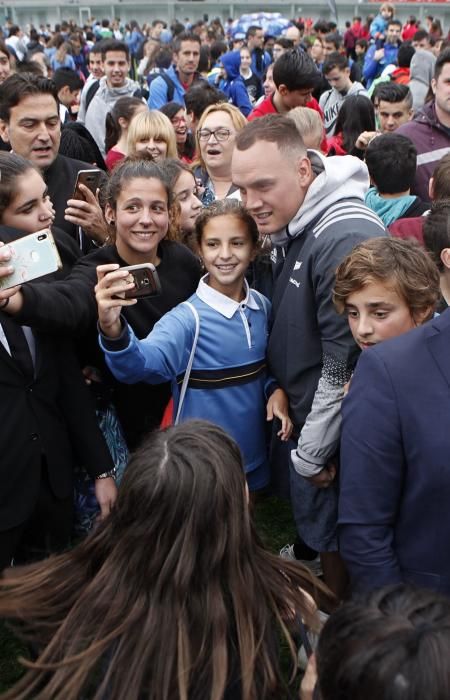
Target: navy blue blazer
{"x": 394, "y": 505}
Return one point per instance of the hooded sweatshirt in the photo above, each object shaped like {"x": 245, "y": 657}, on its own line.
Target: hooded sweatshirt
{"x": 331, "y": 101}
{"x": 389, "y": 209}
{"x": 233, "y": 85}
{"x": 311, "y": 352}
{"x": 101, "y": 104}
{"x": 432, "y": 141}
{"x": 421, "y": 73}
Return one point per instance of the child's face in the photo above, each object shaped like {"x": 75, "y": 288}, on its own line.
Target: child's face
{"x": 359, "y": 50}
{"x": 386, "y": 13}
{"x": 227, "y": 250}
{"x": 377, "y": 312}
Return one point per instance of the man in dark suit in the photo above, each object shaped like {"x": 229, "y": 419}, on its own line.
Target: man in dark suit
{"x": 394, "y": 515}
{"x": 30, "y": 123}
{"x": 47, "y": 426}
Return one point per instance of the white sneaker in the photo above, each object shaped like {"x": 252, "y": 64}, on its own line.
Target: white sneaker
{"x": 314, "y": 565}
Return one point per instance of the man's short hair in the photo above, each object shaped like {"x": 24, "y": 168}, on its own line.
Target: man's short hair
{"x": 20, "y": 85}
{"x": 395, "y": 22}
{"x": 200, "y": 96}
{"x": 401, "y": 263}
{"x": 114, "y": 45}
{"x": 296, "y": 70}
{"x": 67, "y": 76}
{"x": 335, "y": 60}
{"x": 97, "y": 48}
{"x": 185, "y": 36}
{"x": 393, "y": 93}
{"x": 335, "y": 39}
{"x": 363, "y": 43}
{"x": 391, "y": 160}
{"x": 284, "y": 42}
{"x": 274, "y": 128}
{"x": 420, "y": 34}
{"x": 442, "y": 59}
{"x": 321, "y": 26}
{"x": 251, "y": 31}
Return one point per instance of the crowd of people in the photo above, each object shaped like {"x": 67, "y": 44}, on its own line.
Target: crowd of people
{"x": 287, "y": 200}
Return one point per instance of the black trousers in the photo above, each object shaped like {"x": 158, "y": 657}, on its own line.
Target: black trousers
{"x": 47, "y": 531}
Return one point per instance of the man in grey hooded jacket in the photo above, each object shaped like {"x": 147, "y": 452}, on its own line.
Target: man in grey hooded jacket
{"x": 101, "y": 97}
{"x": 313, "y": 209}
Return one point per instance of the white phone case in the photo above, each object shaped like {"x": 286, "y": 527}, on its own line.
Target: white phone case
{"x": 32, "y": 256}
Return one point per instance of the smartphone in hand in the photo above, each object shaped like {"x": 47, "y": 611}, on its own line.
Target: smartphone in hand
{"x": 91, "y": 179}
{"x": 32, "y": 256}
{"x": 146, "y": 281}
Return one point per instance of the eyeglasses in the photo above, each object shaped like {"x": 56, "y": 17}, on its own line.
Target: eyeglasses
{"x": 177, "y": 121}
{"x": 220, "y": 134}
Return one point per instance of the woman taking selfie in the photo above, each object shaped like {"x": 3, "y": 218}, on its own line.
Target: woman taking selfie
{"x": 138, "y": 210}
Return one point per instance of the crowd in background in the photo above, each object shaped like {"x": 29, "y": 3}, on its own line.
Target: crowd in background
{"x": 288, "y": 197}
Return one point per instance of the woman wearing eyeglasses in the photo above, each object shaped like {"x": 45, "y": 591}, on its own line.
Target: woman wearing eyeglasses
{"x": 215, "y": 137}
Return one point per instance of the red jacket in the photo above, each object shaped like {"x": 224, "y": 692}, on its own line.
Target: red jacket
{"x": 267, "y": 107}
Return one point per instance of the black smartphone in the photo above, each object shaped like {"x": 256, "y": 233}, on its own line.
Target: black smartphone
{"x": 90, "y": 178}
{"x": 146, "y": 281}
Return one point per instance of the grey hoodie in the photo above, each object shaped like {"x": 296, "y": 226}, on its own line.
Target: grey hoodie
{"x": 331, "y": 101}
{"x": 421, "y": 73}
{"x": 102, "y": 103}
{"x": 311, "y": 351}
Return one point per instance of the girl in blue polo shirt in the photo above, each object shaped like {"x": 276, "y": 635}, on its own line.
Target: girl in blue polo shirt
{"x": 218, "y": 338}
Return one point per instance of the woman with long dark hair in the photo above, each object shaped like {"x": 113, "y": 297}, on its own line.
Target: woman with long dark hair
{"x": 173, "y": 597}
{"x": 356, "y": 115}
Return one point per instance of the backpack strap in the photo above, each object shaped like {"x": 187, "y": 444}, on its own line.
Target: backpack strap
{"x": 91, "y": 93}
{"x": 187, "y": 373}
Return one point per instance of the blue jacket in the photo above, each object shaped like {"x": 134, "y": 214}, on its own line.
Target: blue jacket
{"x": 233, "y": 85}
{"x": 394, "y": 515}
{"x": 232, "y": 336}
{"x": 378, "y": 26}
{"x": 266, "y": 60}
{"x": 158, "y": 90}
{"x": 372, "y": 69}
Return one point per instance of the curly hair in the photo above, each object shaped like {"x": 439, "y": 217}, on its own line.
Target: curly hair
{"x": 403, "y": 264}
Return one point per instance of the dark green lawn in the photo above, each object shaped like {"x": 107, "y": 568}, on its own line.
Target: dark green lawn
{"x": 274, "y": 523}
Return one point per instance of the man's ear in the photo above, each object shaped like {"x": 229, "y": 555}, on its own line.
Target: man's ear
{"x": 175, "y": 57}
{"x": 431, "y": 189}
{"x": 421, "y": 317}
{"x": 4, "y": 131}
{"x": 282, "y": 89}
{"x": 305, "y": 171}
{"x": 433, "y": 85}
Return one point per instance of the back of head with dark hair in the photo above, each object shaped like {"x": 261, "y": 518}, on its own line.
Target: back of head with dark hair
{"x": 395, "y": 22}
{"x": 334, "y": 60}
{"x": 391, "y": 160}
{"x": 216, "y": 50}
{"x": 296, "y": 70}
{"x": 405, "y": 53}
{"x": 420, "y": 35}
{"x": 355, "y": 116}
{"x": 321, "y": 26}
{"x": 284, "y": 42}
{"x": 393, "y": 93}
{"x": 21, "y": 85}
{"x": 84, "y": 148}
{"x": 124, "y": 108}
{"x": 394, "y": 643}
{"x": 67, "y": 76}
{"x": 436, "y": 231}
{"x": 200, "y": 96}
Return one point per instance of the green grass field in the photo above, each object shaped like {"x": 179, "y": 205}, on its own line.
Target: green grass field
{"x": 274, "y": 523}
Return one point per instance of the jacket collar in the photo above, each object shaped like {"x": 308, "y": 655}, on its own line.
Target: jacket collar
{"x": 439, "y": 342}
{"x": 221, "y": 303}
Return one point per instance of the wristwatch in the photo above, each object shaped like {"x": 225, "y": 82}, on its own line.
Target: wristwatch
{"x": 106, "y": 475}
